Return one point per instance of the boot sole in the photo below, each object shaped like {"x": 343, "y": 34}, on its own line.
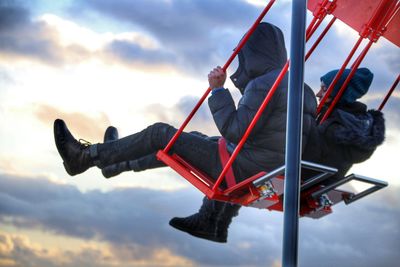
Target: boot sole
{"x": 203, "y": 235}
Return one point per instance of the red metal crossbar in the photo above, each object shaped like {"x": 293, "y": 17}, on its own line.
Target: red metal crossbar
{"x": 320, "y": 11}
{"x": 319, "y": 39}
{"x": 396, "y": 82}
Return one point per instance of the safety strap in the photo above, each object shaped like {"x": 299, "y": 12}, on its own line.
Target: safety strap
{"x": 224, "y": 157}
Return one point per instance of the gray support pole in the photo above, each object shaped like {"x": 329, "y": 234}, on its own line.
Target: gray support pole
{"x": 294, "y": 135}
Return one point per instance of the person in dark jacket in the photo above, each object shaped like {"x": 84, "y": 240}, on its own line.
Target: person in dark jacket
{"x": 260, "y": 62}
{"x": 351, "y": 133}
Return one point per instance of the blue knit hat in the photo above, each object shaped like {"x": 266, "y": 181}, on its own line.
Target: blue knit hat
{"x": 356, "y": 88}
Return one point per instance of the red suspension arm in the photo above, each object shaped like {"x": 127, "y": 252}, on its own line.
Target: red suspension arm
{"x": 311, "y": 31}
{"x": 396, "y": 82}
{"x": 326, "y": 7}
{"x": 340, "y": 72}
{"x": 251, "y": 126}
{"x": 346, "y": 82}
{"x": 310, "y": 27}
{"x": 322, "y": 35}
{"x": 235, "y": 52}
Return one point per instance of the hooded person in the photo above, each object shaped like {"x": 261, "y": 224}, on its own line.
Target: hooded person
{"x": 351, "y": 133}
{"x": 260, "y": 62}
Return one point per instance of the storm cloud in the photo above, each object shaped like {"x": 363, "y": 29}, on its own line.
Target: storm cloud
{"x": 20, "y": 36}
{"x": 131, "y": 53}
{"x": 176, "y": 114}
{"x": 190, "y": 36}
{"x": 80, "y": 123}
{"x": 193, "y": 35}
{"x": 363, "y": 234}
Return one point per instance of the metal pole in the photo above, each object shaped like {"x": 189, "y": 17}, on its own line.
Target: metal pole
{"x": 294, "y": 135}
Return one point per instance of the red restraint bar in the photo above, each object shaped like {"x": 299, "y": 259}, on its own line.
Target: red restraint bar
{"x": 177, "y": 163}
{"x": 251, "y": 126}
{"x": 224, "y": 156}
{"x": 225, "y": 67}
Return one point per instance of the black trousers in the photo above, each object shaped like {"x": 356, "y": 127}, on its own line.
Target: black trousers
{"x": 138, "y": 151}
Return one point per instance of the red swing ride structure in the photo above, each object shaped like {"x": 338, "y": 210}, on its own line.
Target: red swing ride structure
{"x": 372, "y": 19}
{"x": 265, "y": 190}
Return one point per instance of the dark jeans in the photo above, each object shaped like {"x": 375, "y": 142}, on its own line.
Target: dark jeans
{"x": 137, "y": 151}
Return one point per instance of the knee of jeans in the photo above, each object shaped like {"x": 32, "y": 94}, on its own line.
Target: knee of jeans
{"x": 160, "y": 125}
{"x": 161, "y": 132}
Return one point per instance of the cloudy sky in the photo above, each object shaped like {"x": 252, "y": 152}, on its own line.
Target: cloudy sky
{"x": 130, "y": 64}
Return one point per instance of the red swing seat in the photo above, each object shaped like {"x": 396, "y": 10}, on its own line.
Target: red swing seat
{"x": 265, "y": 190}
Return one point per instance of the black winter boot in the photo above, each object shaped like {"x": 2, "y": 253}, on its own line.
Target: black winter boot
{"x": 225, "y": 218}
{"x": 77, "y": 157}
{"x": 111, "y": 134}
{"x": 204, "y": 223}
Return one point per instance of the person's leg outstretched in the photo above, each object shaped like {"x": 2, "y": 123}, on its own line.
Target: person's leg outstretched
{"x": 139, "y": 149}
{"x": 79, "y": 157}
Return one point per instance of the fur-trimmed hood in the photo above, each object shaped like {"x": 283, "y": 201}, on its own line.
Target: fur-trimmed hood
{"x": 366, "y": 131}
{"x": 357, "y": 131}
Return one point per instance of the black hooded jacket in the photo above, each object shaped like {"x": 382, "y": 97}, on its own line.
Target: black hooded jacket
{"x": 350, "y": 135}
{"x": 260, "y": 62}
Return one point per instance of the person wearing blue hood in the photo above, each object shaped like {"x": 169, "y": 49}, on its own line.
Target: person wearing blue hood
{"x": 351, "y": 133}
{"x": 260, "y": 62}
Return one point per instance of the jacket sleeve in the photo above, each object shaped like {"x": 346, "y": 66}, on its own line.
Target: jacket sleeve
{"x": 231, "y": 122}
